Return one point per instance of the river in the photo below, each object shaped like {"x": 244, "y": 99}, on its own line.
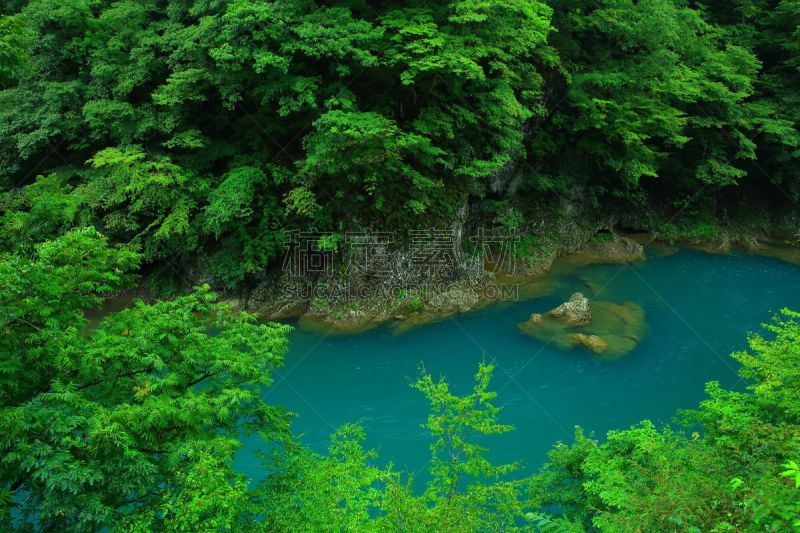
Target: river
{"x": 698, "y": 308}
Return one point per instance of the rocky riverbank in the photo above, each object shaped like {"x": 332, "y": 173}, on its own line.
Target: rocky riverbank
{"x": 345, "y": 304}
{"x": 355, "y": 304}
{"x": 556, "y": 237}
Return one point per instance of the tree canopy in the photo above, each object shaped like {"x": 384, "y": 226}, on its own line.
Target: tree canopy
{"x": 201, "y": 130}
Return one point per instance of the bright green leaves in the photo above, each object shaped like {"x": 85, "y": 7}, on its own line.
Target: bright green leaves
{"x": 335, "y": 33}
{"x": 150, "y": 201}
{"x": 231, "y": 200}
{"x": 42, "y": 210}
{"x": 341, "y": 490}
{"x": 509, "y": 28}
{"x": 792, "y": 472}
{"x": 174, "y": 337}
{"x": 133, "y": 421}
{"x": 424, "y": 48}
{"x": 181, "y": 87}
{"x": 453, "y": 420}
{"x": 301, "y": 201}
{"x": 112, "y": 157}
{"x": 171, "y": 211}
{"x": 43, "y": 299}
{"x": 770, "y": 506}
{"x": 207, "y": 494}
{"x": 721, "y": 471}
{"x": 774, "y": 363}
{"x": 252, "y": 32}
{"x": 15, "y": 43}
{"x": 368, "y": 156}
{"x": 466, "y": 490}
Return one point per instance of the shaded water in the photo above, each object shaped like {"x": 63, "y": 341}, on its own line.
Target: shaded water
{"x": 698, "y": 308}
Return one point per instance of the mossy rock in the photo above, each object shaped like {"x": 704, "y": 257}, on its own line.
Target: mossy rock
{"x": 615, "y": 329}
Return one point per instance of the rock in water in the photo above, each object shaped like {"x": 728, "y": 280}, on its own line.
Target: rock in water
{"x": 595, "y": 343}
{"x": 536, "y": 318}
{"x": 575, "y": 311}
{"x": 605, "y": 328}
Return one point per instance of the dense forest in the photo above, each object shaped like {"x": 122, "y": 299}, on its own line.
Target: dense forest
{"x": 150, "y": 140}
{"x": 205, "y": 129}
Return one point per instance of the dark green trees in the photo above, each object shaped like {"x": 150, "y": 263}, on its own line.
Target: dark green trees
{"x": 658, "y": 100}
{"x": 247, "y": 118}
{"x": 209, "y": 129}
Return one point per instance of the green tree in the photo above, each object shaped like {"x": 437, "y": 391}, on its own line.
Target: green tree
{"x": 344, "y": 490}
{"x": 725, "y": 470}
{"x": 15, "y": 44}
{"x": 652, "y": 92}
{"x": 201, "y": 131}
{"x": 133, "y": 419}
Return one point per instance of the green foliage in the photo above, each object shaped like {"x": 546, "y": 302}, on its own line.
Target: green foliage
{"x": 654, "y": 93}
{"x": 133, "y": 420}
{"x": 772, "y": 362}
{"x": 604, "y": 236}
{"x": 202, "y": 131}
{"x": 694, "y": 231}
{"x": 792, "y": 472}
{"x": 143, "y": 201}
{"x": 416, "y": 304}
{"x": 43, "y": 299}
{"x": 411, "y": 299}
{"x": 452, "y": 420}
{"x": 188, "y": 136}
{"x": 338, "y": 491}
{"x": 510, "y": 218}
{"x": 330, "y": 242}
{"x": 15, "y": 44}
{"x": 728, "y": 475}
{"x": 344, "y": 490}
{"x": 466, "y": 491}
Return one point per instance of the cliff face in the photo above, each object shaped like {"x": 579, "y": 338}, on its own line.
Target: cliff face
{"x": 426, "y": 274}
{"x": 374, "y": 276}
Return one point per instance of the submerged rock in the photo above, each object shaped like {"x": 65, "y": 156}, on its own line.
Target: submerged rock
{"x": 536, "y": 318}
{"x": 575, "y": 311}
{"x": 594, "y": 342}
{"x": 614, "y": 329}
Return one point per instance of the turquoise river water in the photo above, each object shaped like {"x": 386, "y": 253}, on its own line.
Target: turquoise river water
{"x": 698, "y": 309}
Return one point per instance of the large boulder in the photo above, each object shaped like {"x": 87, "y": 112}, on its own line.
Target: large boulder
{"x": 574, "y": 312}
